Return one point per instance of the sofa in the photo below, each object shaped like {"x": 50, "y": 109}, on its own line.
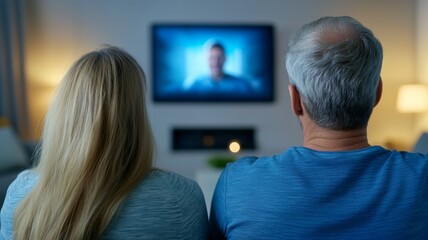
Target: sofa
{"x": 15, "y": 156}
{"x": 421, "y": 145}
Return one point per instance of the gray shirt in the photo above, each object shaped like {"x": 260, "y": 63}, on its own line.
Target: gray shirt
{"x": 164, "y": 205}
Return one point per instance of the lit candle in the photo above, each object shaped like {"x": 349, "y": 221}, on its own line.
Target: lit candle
{"x": 234, "y": 147}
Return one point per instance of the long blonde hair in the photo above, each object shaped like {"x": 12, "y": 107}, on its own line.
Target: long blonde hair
{"x": 97, "y": 145}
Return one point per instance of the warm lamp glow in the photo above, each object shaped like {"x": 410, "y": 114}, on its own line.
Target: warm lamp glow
{"x": 412, "y": 98}
{"x": 234, "y": 147}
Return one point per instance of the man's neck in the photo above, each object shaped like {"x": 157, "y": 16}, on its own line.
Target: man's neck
{"x": 217, "y": 77}
{"x": 323, "y": 139}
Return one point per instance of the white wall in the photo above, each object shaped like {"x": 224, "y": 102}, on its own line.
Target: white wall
{"x": 422, "y": 40}
{"x": 422, "y": 55}
{"x": 57, "y": 32}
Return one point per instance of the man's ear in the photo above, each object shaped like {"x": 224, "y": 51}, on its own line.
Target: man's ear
{"x": 296, "y": 103}
{"x": 379, "y": 91}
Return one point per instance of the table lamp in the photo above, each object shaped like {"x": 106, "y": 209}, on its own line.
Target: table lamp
{"x": 413, "y": 98}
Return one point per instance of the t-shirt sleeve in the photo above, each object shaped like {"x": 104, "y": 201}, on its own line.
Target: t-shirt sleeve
{"x": 218, "y": 208}
{"x": 16, "y": 191}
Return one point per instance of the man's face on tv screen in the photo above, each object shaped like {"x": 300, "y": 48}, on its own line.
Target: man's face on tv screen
{"x": 216, "y": 62}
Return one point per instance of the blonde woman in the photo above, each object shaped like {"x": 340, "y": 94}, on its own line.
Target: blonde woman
{"x": 94, "y": 179}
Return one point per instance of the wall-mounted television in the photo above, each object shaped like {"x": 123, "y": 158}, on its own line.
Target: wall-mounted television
{"x": 213, "y": 62}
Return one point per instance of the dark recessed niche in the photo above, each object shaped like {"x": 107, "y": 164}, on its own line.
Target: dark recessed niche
{"x": 212, "y": 138}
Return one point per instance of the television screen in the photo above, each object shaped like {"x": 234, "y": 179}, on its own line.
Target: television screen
{"x": 212, "y": 63}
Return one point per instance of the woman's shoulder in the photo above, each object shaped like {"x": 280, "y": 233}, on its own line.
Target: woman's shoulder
{"x": 168, "y": 176}
{"x": 163, "y": 200}
{"x": 16, "y": 191}
{"x": 19, "y": 188}
{"x": 23, "y": 183}
{"x": 171, "y": 182}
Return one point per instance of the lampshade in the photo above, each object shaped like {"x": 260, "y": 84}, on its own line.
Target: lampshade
{"x": 412, "y": 98}
{"x": 3, "y": 121}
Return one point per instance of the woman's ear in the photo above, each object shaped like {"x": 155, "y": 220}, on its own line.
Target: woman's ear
{"x": 296, "y": 103}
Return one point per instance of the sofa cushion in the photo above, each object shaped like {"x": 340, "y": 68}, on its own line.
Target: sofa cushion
{"x": 12, "y": 152}
{"x": 421, "y": 145}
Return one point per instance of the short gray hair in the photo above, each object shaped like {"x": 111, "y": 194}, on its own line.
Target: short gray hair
{"x": 335, "y": 64}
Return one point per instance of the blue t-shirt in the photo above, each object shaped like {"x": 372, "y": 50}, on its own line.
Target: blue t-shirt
{"x": 371, "y": 193}
{"x": 164, "y": 205}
